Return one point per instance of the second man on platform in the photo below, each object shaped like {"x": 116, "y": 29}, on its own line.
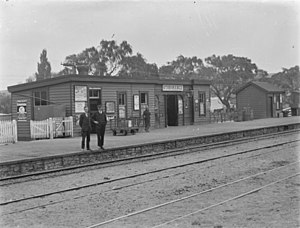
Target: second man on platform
{"x": 99, "y": 119}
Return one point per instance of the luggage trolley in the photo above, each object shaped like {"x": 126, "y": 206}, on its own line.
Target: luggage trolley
{"x": 124, "y": 126}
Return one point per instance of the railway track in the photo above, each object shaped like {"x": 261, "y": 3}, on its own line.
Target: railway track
{"x": 82, "y": 187}
{"x": 189, "y": 197}
{"x": 138, "y": 158}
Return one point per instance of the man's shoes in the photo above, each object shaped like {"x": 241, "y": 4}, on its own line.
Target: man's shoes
{"x": 102, "y": 147}
{"x": 82, "y": 150}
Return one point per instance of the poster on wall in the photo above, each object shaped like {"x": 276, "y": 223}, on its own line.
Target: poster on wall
{"x": 122, "y": 111}
{"x": 80, "y": 93}
{"x": 79, "y": 106}
{"x": 110, "y": 107}
{"x": 180, "y": 106}
{"x": 136, "y": 102}
{"x": 22, "y": 110}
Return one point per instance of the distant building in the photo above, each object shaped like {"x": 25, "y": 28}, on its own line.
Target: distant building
{"x": 295, "y": 105}
{"x": 262, "y": 98}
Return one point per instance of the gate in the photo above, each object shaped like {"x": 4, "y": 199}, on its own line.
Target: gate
{"x": 8, "y": 132}
{"x": 51, "y": 128}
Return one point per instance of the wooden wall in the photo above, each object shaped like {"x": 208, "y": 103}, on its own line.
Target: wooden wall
{"x": 254, "y": 98}
{"x": 23, "y": 126}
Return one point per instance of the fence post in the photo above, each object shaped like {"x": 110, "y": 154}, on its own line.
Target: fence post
{"x": 31, "y": 129}
{"x": 50, "y": 125}
{"x": 15, "y": 131}
{"x": 71, "y": 125}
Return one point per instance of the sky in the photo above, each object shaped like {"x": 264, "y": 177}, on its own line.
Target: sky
{"x": 267, "y": 32}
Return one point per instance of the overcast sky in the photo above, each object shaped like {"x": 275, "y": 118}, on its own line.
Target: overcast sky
{"x": 267, "y": 32}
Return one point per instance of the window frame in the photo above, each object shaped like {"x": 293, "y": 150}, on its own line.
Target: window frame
{"x": 38, "y": 99}
{"x": 202, "y": 103}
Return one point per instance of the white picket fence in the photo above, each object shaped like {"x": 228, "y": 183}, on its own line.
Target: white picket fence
{"x": 8, "y": 132}
{"x": 51, "y": 128}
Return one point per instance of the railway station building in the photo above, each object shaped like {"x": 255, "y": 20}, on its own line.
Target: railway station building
{"x": 171, "y": 102}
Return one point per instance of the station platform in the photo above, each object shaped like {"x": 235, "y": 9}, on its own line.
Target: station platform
{"x": 26, "y": 151}
{"x": 58, "y": 146}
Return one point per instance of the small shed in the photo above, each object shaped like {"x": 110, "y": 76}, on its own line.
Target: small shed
{"x": 262, "y": 98}
{"x": 295, "y": 103}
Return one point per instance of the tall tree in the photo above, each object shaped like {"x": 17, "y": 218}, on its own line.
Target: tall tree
{"x": 181, "y": 68}
{"x": 5, "y": 102}
{"x": 227, "y": 73}
{"x": 136, "y": 67}
{"x": 104, "y": 61}
{"x": 44, "y": 67}
{"x": 288, "y": 79}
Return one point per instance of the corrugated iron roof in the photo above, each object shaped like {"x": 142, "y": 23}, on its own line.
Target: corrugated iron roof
{"x": 266, "y": 86}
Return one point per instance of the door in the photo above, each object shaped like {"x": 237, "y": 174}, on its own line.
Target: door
{"x": 172, "y": 110}
{"x": 270, "y": 107}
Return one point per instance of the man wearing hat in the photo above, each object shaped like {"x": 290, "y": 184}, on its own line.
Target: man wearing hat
{"x": 99, "y": 119}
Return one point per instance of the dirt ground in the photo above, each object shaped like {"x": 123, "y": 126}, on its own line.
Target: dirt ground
{"x": 274, "y": 206}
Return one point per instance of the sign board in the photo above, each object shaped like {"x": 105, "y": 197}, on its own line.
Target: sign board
{"x": 80, "y": 93}
{"x": 110, "y": 107}
{"x": 22, "y": 110}
{"x": 136, "y": 102}
{"x": 172, "y": 88}
{"x": 79, "y": 106}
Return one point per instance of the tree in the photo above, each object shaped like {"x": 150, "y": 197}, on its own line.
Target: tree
{"x": 106, "y": 61}
{"x": 288, "y": 80}
{"x": 31, "y": 78}
{"x": 44, "y": 67}
{"x": 136, "y": 67}
{"x": 5, "y": 104}
{"x": 182, "y": 67}
{"x": 227, "y": 73}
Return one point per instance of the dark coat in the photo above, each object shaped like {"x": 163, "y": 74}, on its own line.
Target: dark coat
{"x": 146, "y": 116}
{"x": 85, "y": 122}
{"x": 101, "y": 118}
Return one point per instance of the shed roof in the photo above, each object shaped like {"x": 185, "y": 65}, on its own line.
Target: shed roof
{"x": 266, "y": 86}
{"x": 101, "y": 79}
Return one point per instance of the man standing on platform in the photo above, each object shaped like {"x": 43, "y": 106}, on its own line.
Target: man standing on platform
{"x": 146, "y": 116}
{"x": 85, "y": 124}
{"x": 99, "y": 118}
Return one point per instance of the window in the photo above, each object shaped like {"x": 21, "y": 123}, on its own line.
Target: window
{"x": 144, "y": 98}
{"x": 94, "y": 98}
{"x": 202, "y": 106}
{"x": 278, "y": 101}
{"x": 121, "y": 98}
{"x": 40, "y": 98}
{"x": 122, "y": 105}
{"x": 94, "y": 93}
{"x": 144, "y": 101}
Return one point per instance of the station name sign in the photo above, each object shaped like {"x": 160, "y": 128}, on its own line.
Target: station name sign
{"x": 172, "y": 88}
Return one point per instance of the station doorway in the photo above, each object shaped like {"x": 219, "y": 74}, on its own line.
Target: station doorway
{"x": 171, "y": 110}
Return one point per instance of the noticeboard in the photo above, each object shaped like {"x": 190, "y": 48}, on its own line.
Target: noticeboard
{"x": 22, "y": 110}
{"x": 80, "y": 93}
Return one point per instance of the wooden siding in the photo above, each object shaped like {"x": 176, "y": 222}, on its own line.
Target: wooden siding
{"x": 199, "y": 119}
{"x": 61, "y": 95}
{"x": 254, "y": 98}
{"x": 110, "y": 91}
{"x": 22, "y": 126}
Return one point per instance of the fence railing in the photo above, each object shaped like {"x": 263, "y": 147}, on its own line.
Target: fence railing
{"x": 51, "y": 128}
{"x": 216, "y": 117}
{"x": 8, "y": 132}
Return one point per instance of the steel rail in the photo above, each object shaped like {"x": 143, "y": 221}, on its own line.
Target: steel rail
{"x": 171, "y": 152}
{"x": 228, "y": 200}
{"x": 143, "y": 174}
{"x": 194, "y": 195}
